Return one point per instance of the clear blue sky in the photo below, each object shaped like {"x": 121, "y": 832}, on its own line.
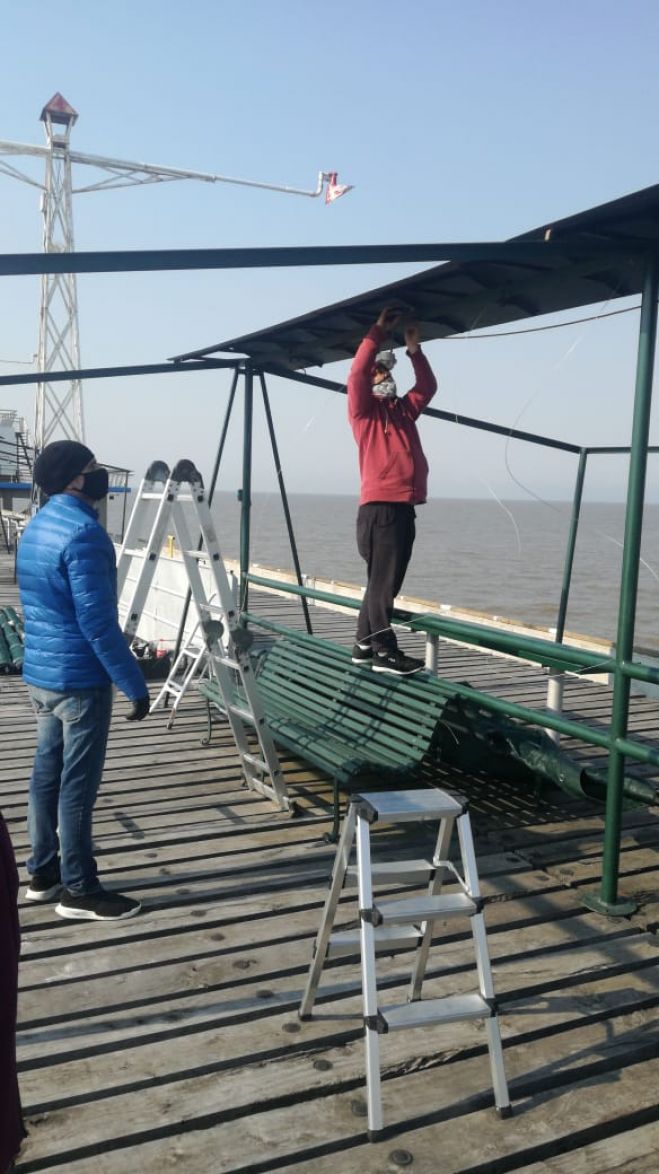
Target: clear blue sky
{"x": 474, "y": 120}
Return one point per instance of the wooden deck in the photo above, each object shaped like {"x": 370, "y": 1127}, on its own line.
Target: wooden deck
{"x": 172, "y": 1041}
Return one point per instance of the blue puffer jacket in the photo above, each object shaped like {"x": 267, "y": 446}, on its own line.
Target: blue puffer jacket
{"x": 67, "y": 576}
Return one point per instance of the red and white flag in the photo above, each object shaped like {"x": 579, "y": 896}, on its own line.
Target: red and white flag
{"x": 334, "y": 189}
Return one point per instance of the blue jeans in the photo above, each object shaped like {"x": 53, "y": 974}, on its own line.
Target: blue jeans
{"x": 72, "y": 735}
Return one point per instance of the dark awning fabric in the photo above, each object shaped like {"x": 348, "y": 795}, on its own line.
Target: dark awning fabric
{"x": 455, "y": 297}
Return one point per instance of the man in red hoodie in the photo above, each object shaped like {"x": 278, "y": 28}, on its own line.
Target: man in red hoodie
{"x": 394, "y": 478}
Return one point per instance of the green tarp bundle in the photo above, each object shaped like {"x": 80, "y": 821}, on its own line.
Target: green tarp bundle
{"x": 11, "y": 641}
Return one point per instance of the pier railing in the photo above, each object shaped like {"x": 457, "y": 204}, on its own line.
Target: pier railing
{"x": 531, "y": 648}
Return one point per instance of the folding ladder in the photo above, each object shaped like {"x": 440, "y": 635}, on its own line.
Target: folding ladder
{"x": 230, "y": 665}
{"x": 391, "y": 925}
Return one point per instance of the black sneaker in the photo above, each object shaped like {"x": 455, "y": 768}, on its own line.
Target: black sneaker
{"x": 362, "y": 654}
{"x": 397, "y": 663}
{"x": 100, "y": 906}
{"x": 44, "y": 886}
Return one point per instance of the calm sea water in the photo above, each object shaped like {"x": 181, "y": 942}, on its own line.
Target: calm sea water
{"x": 504, "y": 560}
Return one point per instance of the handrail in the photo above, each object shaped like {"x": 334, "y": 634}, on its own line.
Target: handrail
{"x": 534, "y": 648}
{"x": 544, "y": 652}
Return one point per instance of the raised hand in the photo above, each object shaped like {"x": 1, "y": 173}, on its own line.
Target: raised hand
{"x": 389, "y": 317}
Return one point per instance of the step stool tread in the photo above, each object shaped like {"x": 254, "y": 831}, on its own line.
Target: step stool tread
{"x": 425, "y": 1012}
{"x": 348, "y": 941}
{"x": 408, "y": 806}
{"x": 396, "y": 872}
{"x": 426, "y": 908}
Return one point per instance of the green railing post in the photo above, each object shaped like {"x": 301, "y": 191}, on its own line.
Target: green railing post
{"x": 571, "y": 546}
{"x": 284, "y": 499}
{"x": 245, "y": 494}
{"x": 557, "y": 678}
{"x": 608, "y": 900}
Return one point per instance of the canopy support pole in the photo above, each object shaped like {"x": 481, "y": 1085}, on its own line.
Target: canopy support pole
{"x": 608, "y": 901}
{"x": 284, "y": 500}
{"x": 211, "y": 492}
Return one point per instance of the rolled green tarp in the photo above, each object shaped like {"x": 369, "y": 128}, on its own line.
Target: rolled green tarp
{"x": 486, "y": 744}
{"x": 6, "y": 663}
{"x": 14, "y": 619}
{"x": 12, "y": 639}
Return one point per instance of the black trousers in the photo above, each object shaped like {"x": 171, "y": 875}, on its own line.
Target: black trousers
{"x": 385, "y": 537}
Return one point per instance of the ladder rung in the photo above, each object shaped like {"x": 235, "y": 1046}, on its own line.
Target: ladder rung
{"x": 412, "y": 909}
{"x": 195, "y": 553}
{"x": 347, "y": 941}
{"x": 394, "y": 872}
{"x": 253, "y": 760}
{"x": 226, "y": 661}
{"x": 245, "y": 714}
{"x": 142, "y": 551}
{"x": 428, "y": 1011}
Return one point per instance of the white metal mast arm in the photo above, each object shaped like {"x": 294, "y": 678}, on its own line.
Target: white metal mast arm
{"x": 123, "y": 172}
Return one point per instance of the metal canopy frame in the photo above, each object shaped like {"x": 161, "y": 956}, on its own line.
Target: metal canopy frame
{"x": 595, "y": 255}
{"x": 626, "y": 260}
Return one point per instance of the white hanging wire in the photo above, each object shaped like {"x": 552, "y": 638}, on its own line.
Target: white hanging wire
{"x": 508, "y": 512}
{"x": 527, "y": 489}
{"x": 467, "y": 337}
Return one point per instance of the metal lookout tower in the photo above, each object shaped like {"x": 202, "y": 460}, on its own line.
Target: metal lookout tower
{"x": 59, "y": 406}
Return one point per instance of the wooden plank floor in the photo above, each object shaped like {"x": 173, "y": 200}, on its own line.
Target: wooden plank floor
{"x": 172, "y": 1041}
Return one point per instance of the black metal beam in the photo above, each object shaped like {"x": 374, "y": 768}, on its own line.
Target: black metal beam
{"x": 158, "y": 260}
{"x": 450, "y": 417}
{"x": 118, "y": 372}
{"x": 608, "y": 449}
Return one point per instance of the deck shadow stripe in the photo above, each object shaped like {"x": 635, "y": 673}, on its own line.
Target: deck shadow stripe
{"x": 347, "y": 990}
{"x": 522, "y": 1086}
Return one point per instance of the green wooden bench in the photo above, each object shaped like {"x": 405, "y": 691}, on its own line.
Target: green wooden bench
{"x": 343, "y": 718}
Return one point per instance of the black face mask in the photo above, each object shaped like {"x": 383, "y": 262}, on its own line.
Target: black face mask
{"x": 95, "y": 484}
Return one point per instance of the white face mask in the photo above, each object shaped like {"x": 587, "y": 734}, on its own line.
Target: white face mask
{"x": 386, "y": 388}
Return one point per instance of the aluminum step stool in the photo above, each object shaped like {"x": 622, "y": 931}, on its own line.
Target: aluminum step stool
{"x": 190, "y": 663}
{"x": 388, "y": 925}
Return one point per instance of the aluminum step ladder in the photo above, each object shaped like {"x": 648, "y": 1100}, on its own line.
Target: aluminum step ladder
{"x": 229, "y": 662}
{"x": 190, "y": 662}
{"x": 390, "y": 925}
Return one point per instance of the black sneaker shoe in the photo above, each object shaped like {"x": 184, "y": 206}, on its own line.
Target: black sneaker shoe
{"x": 397, "y": 663}
{"x": 44, "y": 886}
{"x": 100, "y": 906}
{"x": 362, "y": 654}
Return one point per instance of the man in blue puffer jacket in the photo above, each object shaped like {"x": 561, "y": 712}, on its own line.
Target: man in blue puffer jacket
{"x": 74, "y": 652}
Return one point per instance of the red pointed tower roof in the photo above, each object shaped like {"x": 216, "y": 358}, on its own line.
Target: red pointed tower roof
{"x": 58, "y": 110}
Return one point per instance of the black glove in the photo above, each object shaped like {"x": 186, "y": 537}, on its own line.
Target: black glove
{"x": 140, "y": 709}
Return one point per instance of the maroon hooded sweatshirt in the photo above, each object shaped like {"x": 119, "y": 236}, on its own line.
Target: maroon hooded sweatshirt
{"x": 391, "y": 461}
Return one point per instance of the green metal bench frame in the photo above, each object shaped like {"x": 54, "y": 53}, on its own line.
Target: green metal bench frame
{"x": 342, "y": 718}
